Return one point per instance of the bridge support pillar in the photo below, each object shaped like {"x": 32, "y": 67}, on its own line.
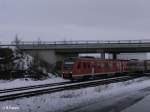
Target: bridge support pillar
{"x": 102, "y": 55}
{"x": 114, "y": 56}
{"x": 46, "y": 56}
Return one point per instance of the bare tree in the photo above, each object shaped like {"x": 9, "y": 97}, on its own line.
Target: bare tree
{"x": 16, "y": 40}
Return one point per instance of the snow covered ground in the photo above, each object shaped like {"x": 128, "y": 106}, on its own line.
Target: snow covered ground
{"x": 142, "y": 106}
{"x": 4, "y": 84}
{"x": 71, "y": 100}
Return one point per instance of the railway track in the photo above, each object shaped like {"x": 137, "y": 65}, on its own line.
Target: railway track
{"x": 33, "y": 87}
{"x": 9, "y": 94}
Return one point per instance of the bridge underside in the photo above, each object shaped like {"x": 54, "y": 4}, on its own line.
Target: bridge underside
{"x": 91, "y": 47}
{"x": 105, "y": 50}
{"x": 52, "y": 53}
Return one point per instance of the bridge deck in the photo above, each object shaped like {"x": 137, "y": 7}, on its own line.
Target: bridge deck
{"x": 87, "y": 46}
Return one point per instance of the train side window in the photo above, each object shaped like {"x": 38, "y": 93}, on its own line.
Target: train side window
{"x": 79, "y": 65}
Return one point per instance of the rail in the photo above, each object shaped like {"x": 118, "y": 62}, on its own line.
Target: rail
{"x": 33, "y": 87}
{"x": 77, "y": 85}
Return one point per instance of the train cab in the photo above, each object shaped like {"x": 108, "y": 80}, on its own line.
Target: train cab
{"x": 67, "y": 67}
{"x": 77, "y": 68}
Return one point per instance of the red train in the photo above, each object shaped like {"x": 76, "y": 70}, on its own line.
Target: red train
{"x": 74, "y": 68}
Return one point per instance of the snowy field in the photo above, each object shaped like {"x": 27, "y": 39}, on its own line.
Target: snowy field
{"x": 4, "y": 84}
{"x": 69, "y": 100}
{"x": 142, "y": 106}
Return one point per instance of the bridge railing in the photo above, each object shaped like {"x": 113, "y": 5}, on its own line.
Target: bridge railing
{"x": 82, "y": 42}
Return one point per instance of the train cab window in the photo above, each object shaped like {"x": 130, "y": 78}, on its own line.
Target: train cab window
{"x": 68, "y": 65}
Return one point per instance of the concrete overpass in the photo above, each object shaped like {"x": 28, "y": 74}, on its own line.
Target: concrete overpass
{"x": 120, "y": 46}
{"x": 57, "y": 50}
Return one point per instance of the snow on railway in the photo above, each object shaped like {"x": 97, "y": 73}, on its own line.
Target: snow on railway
{"x": 4, "y": 84}
{"x": 71, "y": 99}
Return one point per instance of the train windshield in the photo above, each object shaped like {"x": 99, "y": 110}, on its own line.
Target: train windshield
{"x": 68, "y": 63}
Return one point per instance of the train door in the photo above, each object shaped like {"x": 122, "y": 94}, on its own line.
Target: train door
{"x": 85, "y": 67}
{"x": 124, "y": 66}
{"x": 92, "y": 68}
{"x": 82, "y": 67}
{"x": 118, "y": 66}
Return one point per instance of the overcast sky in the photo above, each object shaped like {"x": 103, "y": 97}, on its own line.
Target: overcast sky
{"x": 74, "y": 19}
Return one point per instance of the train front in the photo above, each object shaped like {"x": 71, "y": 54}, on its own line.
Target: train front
{"x": 67, "y": 68}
